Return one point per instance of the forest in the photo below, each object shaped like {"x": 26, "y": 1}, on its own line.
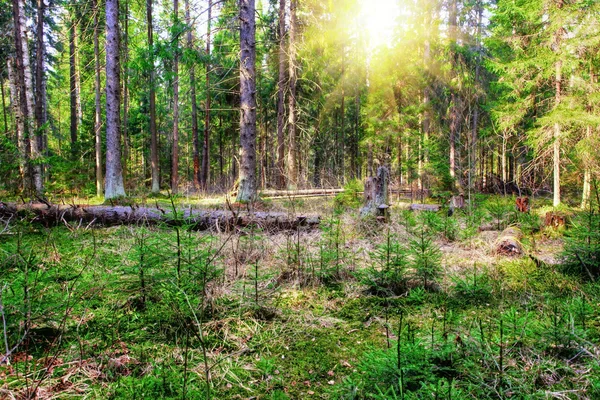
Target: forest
{"x": 300, "y": 199}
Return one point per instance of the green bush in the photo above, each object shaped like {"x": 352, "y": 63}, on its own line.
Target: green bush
{"x": 350, "y": 197}
{"x": 582, "y": 245}
{"x": 387, "y": 273}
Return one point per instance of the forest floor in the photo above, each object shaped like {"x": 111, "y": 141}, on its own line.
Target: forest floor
{"x": 421, "y": 307}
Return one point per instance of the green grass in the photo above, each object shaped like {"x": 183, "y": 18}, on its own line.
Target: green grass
{"x": 115, "y": 313}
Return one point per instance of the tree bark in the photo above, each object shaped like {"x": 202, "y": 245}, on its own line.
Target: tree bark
{"x": 556, "y": 145}
{"x": 192, "y": 65}
{"x": 114, "y": 174}
{"x": 26, "y": 95}
{"x": 247, "y": 173}
{"x": 175, "y": 151}
{"x": 205, "y": 147}
{"x": 98, "y": 111}
{"x": 125, "y": 65}
{"x": 281, "y": 100}
{"x": 40, "y": 93}
{"x": 292, "y": 164}
{"x": 73, "y": 84}
{"x": 19, "y": 120}
{"x": 51, "y": 214}
{"x": 155, "y": 188}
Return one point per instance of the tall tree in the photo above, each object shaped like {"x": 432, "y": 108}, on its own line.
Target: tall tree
{"x": 205, "y": 147}
{"x": 292, "y": 164}
{"x": 196, "y": 143}
{"x": 26, "y": 99}
{"x": 247, "y": 172}
{"x": 114, "y": 174}
{"x": 280, "y": 173}
{"x": 155, "y": 188}
{"x": 175, "y": 152}
{"x": 73, "y": 83}
{"x": 40, "y": 92}
{"x": 97, "y": 97}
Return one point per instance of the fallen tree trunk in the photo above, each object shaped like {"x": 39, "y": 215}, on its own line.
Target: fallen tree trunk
{"x": 299, "y": 192}
{"x": 509, "y": 242}
{"x": 217, "y": 220}
{"x": 424, "y": 207}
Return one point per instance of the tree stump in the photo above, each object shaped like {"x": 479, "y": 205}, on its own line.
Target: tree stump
{"x": 456, "y": 202}
{"x": 376, "y": 195}
{"x": 555, "y": 220}
{"x": 522, "y": 204}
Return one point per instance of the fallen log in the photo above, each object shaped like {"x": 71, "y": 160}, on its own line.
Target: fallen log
{"x": 216, "y": 220}
{"x": 509, "y": 242}
{"x": 299, "y": 192}
{"x": 424, "y": 207}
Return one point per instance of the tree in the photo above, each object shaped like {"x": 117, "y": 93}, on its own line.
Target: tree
{"x": 155, "y": 188}
{"x": 247, "y": 174}
{"x": 97, "y": 98}
{"x": 114, "y": 174}
{"x": 205, "y": 147}
{"x": 29, "y": 139}
{"x": 193, "y": 101}
{"x": 292, "y": 162}
{"x": 280, "y": 173}
{"x": 175, "y": 153}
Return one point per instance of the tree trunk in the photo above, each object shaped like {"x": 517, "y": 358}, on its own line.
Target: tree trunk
{"x": 556, "y": 145}
{"x": 454, "y": 114}
{"x": 114, "y": 174}
{"x": 376, "y": 195}
{"x": 292, "y": 163}
{"x": 155, "y": 188}
{"x": 125, "y": 64}
{"x": 50, "y": 214}
{"x": 98, "y": 113}
{"x": 73, "y": 84}
{"x": 26, "y": 94}
{"x": 19, "y": 121}
{"x": 281, "y": 100}
{"x": 192, "y": 66}
{"x": 40, "y": 93}
{"x": 205, "y": 147}
{"x": 175, "y": 153}
{"x": 247, "y": 174}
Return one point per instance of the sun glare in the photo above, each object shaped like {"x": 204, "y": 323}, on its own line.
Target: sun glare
{"x": 380, "y": 18}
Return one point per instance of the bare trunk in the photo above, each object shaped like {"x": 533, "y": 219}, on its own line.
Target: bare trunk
{"x": 196, "y": 142}
{"x": 125, "y": 132}
{"x": 73, "y": 91}
{"x": 205, "y": 147}
{"x": 26, "y": 93}
{"x": 19, "y": 120}
{"x": 114, "y": 174}
{"x": 98, "y": 113}
{"x": 175, "y": 153}
{"x": 247, "y": 173}
{"x": 40, "y": 93}
{"x": 556, "y": 199}
{"x": 292, "y": 164}
{"x": 193, "y": 219}
{"x": 281, "y": 100}
{"x": 155, "y": 188}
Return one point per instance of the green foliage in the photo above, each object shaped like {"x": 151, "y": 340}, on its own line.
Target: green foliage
{"x": 474, "y": 289}
{"x": 582, "y": 245}
{"x": 387, "y": 274}
{"x": 426, "y": 257}
{"x": 350, "y": 198}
